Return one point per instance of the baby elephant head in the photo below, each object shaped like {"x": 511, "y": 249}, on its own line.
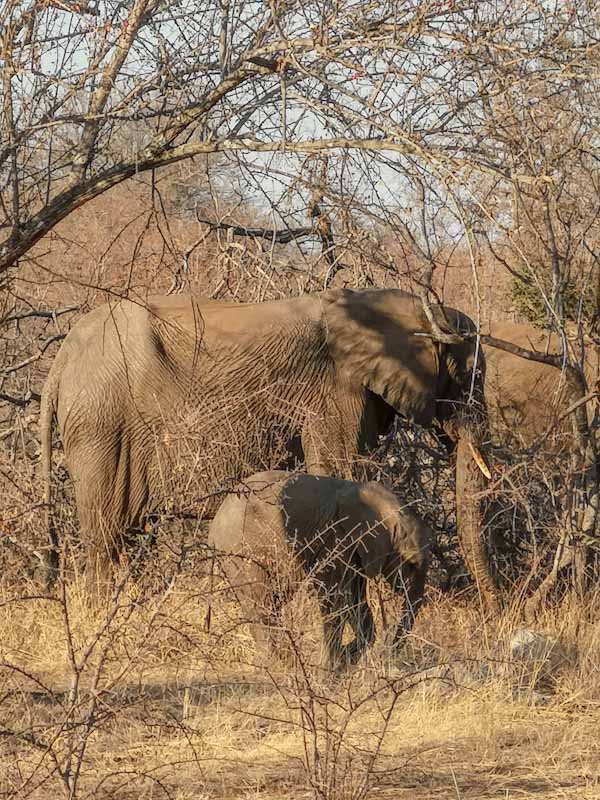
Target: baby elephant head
{"x": 391, "y": 541}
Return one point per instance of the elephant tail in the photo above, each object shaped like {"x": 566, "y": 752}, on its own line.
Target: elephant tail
{"x": 48, "y": 405}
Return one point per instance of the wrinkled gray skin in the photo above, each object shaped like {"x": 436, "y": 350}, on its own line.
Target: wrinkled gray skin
{"x": 525, "y": 398}
{"x": 324, "y": 374}
{"x": 278, "y": 530}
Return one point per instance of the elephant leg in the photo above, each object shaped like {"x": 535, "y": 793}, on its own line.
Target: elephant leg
{"x": 259, "y": 602}
{"x": 325, "y": 444}
{"x": 115, "y": 551}
{"x": 100, "y": 569}
{"x": 363, "y": 625}
{"x": 266, "y": 626}
{"x": 335, "y": 613}
{"x": 349, "y": 424}
{"x": 140, "y": 542}
{"x": 358, "y": 614}
{"x": 100, "y": 529}
{"x": 346, "y": 606}
{"x": 103, "y": 551}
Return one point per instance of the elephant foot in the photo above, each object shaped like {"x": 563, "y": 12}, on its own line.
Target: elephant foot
{"x": 348, "y": 656}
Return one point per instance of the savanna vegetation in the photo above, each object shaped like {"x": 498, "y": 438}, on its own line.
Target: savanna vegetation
{"x": 245, "y": 152}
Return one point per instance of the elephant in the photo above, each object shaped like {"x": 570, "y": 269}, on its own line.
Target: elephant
{"x": 526, "y": 398}
{"x": 526, "y": 402}
{"x": 278, "y": 528}
{"x": 148, "y": 394}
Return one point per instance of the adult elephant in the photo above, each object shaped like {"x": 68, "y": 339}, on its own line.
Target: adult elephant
{"x": 174, "y": 388}
{"x": 527, "y": 399}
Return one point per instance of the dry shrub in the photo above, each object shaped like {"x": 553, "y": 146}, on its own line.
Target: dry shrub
{"x": 162, "y": 693}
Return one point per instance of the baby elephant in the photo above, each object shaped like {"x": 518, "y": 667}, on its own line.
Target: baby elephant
{"x": 281, "y": 528}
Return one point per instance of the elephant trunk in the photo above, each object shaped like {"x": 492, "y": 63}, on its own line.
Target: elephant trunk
{"x": 471, "y": 515}
{"x": 413, "y": 601}
{"x": 413, "y": 589}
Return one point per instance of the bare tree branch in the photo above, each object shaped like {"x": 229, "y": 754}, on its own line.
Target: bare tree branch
{"x": 279, "y": 236}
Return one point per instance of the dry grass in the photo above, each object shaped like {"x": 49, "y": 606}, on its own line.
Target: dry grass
{"x": 166, "y": 708}
{"x": 146, "y": 700}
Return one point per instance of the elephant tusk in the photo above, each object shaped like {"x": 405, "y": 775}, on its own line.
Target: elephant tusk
{"x": 478, "y": 459}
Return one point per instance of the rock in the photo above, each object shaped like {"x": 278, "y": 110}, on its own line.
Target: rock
{"x": 531, "y": 696}
{"x": 444, "y": 679}
{"x": 536, "y": 659}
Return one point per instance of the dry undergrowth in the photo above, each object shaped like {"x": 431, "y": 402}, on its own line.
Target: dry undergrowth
{"x": 156, "y": 697}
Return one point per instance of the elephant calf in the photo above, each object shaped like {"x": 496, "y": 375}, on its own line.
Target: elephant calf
{"x": 281, "y": 528}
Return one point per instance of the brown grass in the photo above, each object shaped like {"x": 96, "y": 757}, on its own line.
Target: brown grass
{"x": 185, "y": 712}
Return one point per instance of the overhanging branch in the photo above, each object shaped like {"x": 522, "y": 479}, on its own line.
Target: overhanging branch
{"x": 552, "y": 359}
{"x": 70, "y": 199}
{"x": 282, "y": 236}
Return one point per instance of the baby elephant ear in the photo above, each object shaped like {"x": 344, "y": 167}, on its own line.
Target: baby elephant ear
{"x": 368, "y": 536}
{"x": 413, "y": 540}
{"x": 371, "y": 338}
{"x": 374, "y": 550}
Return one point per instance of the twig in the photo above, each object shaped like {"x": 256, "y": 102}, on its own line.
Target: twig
{"x": 16, "y": 367}
{"x": 42, "y": 314}
{"x": 22, "y": 402}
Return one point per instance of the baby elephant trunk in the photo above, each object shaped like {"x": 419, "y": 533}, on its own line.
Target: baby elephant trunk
{"x": 409, "y": 582}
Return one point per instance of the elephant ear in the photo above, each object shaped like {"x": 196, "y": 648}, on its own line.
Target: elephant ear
{"x": 363, "y": 527}
{"x": 371, "y": 338}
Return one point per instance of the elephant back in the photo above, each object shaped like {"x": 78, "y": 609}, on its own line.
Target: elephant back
{"x": 526, "y": 398}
